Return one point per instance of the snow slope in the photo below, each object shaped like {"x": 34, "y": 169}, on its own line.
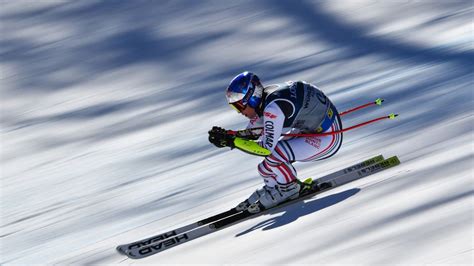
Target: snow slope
{"x": 105, "y": 109}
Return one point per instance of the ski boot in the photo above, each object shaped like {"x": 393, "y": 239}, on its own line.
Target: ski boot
{"x": 252, "y": 199}
{"x": 278, "y": 194}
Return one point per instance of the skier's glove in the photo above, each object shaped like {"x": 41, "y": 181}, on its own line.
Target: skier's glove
{"x": 219, "y": 137}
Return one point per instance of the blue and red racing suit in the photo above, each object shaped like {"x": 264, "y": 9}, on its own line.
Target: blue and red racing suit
{"x": 295, "y": 107}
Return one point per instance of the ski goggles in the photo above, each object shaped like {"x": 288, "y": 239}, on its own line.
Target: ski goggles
{"x": 237, "y": 106}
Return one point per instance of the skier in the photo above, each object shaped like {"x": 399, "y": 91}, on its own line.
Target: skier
{"x": 291, "y": 107}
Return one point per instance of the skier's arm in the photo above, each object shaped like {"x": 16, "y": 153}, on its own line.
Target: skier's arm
{"x": 273, "y": 121}
{"x": 221, "y": 138}
{"x": 253, "y": 130}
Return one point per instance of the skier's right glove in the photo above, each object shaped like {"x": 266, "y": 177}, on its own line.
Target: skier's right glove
{"x": 220, "y": 138}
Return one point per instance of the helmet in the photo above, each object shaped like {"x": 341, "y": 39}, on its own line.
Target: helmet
{"x": 245, "y": 89}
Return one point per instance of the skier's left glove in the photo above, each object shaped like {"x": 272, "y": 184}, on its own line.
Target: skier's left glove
{"x": 220, "y": 138}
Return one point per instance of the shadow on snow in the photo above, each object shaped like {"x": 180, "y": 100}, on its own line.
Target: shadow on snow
{"x": 299, "y": 209}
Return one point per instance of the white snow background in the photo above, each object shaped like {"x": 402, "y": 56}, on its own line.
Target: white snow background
{"x": 105, "y": 108}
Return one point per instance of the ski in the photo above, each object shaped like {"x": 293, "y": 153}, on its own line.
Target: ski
{"x": 350, "y": 169}
{"x": 156, "y": 238}
{"x": 123, "y": 249}
{"x": 175, "y": 240}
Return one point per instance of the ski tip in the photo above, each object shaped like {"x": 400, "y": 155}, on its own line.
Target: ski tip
{"x": 393, "y": 160}
{"x": 379, "y": 101}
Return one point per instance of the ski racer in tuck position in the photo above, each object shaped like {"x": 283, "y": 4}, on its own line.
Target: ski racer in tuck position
{"x": 291, "y": 107}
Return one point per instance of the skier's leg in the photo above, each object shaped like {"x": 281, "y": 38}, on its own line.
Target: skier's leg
{"x": 315, "y": 148}
{"x": 277, "y": 167}
{"x": 278, "y": 172}
{"x": 269, "y": 179}
{"x": 279, "y": 177}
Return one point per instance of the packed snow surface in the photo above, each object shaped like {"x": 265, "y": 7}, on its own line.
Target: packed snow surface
{"x": 105, "y": 109}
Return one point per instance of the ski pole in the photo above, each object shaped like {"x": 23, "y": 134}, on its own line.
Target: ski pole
{"x": 390, "y": 116}
{"x": 378, "y": 101}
